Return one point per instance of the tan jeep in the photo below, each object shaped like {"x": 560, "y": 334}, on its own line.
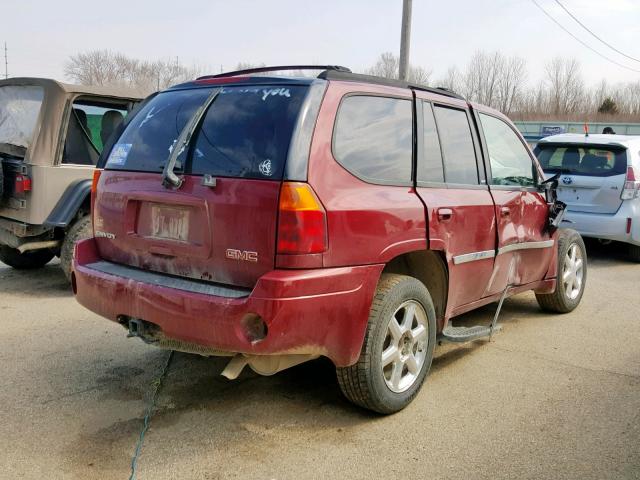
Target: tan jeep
{"x": 51, "y": 135}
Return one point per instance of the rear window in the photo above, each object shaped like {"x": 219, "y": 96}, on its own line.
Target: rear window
{"x": 19, "y": 110}
{"x": 245, "y": 133}
{"x": 590, "y": 160}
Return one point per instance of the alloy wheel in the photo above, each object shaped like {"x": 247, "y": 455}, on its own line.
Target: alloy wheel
{"x": 573, "y": 272}
{"x": 405, "y": 346}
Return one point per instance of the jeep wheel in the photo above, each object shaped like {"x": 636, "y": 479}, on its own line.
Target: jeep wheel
{"x": 397, "y": 349}
{"x": 572, "y": 274}
{"x": 27, "y": 260}
{"x": 80, "y": 230}
{"x": 634, "y": 253}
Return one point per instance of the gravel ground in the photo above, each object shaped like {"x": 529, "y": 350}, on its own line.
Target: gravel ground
{"x": 550, "y": 397}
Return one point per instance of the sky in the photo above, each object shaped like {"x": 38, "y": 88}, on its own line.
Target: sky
{"x": 41, "y": 35}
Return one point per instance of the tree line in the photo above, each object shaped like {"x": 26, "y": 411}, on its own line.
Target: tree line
{"x": 490, "y": 78}
{"x": 501, "y": 82}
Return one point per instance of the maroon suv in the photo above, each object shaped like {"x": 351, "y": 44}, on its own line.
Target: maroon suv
{"x": 277, "y": 219}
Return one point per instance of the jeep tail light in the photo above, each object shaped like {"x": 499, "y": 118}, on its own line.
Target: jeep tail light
{"x": 22, "y": 184}
{"x": 631, "y": 185}
{"x": 302, "y": 221}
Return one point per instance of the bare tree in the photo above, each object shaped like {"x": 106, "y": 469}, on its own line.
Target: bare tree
{"x": 452, "y": 79}
{"x": 511, "y": 83}
{"x": 565, "y": 83}
{"x": 388, "y": 64}
{"x": 103, "y": 67}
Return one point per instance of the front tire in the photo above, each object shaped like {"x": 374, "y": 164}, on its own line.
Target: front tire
{"x": 28, "y": 260}
{"x": 397, "y": 350}
{"x": 572, "y": 274}
{"x": 80, "y": 230}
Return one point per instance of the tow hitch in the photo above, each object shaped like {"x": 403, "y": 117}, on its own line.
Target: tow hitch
{"x": 141, "y": 329}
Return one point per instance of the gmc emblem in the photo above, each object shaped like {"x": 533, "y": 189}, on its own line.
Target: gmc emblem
{"x": 243, "y": 255}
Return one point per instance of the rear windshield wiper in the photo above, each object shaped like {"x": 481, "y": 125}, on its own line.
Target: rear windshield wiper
{"x": 169, "y": 177}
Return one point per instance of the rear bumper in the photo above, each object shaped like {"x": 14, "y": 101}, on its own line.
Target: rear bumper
{"x": 608, "y": 226}
{"x": 320, "y": 311}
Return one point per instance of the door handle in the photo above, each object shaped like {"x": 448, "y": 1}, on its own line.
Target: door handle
{"x": 445, "y": 214}
{"x": 505, "y": 211}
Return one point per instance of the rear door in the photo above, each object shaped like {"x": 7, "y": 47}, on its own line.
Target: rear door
{"x": 460, "y": 210}
{"x": 525, "y": 247}
{"x": 220, "y": 225}
{"x": 592, "y": 176}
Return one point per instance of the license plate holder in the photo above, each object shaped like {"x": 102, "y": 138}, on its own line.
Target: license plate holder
{"x": 170, "y": 223}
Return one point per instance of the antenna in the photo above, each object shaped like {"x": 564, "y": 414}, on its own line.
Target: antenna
{"x": 6, "y": 62}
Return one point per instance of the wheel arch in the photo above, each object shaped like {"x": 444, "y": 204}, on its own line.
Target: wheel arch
{"x": 74, "y": 199}
{"x": 430, "y": 268}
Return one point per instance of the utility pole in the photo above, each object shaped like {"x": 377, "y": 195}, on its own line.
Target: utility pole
{"x": 405, "y": 39}
{"x": 6, "y": 62}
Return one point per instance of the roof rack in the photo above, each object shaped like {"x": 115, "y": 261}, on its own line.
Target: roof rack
{"x": 325, "y": 68}
{"x": 390, "y": 82}
{"x": 337, "y": 72}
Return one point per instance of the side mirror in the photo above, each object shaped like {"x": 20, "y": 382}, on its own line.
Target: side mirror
{"x": 556, "y": 207}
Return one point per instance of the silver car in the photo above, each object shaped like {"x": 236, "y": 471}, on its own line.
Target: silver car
{"x": 600, "y": 183}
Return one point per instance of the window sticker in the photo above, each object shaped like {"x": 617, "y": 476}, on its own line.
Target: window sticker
{"x": 265, "y": 168}
{"x": 119, "y": 154}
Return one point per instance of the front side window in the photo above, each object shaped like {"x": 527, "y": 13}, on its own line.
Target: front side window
{"x": 373, "y": 138}
{"x": 90, "y": 125}
{"x": 457, "y": 146}
{"x": 509, "y": 158}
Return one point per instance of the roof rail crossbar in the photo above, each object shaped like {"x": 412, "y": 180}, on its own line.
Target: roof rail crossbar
{"x": 277, "y": 68}
{"x": 390, "y": 82}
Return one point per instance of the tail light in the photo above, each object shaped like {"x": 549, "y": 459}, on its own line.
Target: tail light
{"x": 302, "y": 221}
{"x": 22, "y": 184}
{"x": 631, "y": 185}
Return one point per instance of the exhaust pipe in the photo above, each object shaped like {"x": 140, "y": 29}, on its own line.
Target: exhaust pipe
{"x": 27, "y": 247}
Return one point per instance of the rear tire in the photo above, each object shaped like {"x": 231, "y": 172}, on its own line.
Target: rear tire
{"x": 572, "y": 274}
{"x": 80, "y": 230}
{"x": 634, "y": 253}
{"x": 27, "y": 260}
{"x": 397, "y": 349}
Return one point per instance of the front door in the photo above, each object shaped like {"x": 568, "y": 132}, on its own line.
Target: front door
{"x": 524, "y": 243}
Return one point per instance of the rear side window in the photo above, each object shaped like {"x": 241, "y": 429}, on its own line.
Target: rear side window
{"x": 90, "y": 125}
{"x": 588, "y": 160}
{"x": 457, "y": 146}
{"x": 373, "y": 138}
{"x": 245, "y": 133}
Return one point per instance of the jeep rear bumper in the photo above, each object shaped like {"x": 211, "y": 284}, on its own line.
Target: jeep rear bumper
{"x": 317, "y": 311}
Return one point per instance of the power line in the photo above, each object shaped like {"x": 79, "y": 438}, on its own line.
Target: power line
{"x": 594, "y": 35}
{"x": 583, "y": 43}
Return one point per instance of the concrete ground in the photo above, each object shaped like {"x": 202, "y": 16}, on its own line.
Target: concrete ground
{"x": 551, "y": 397}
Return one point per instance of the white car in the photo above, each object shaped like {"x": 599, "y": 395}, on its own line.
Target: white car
{"x": 600, "y": 183}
